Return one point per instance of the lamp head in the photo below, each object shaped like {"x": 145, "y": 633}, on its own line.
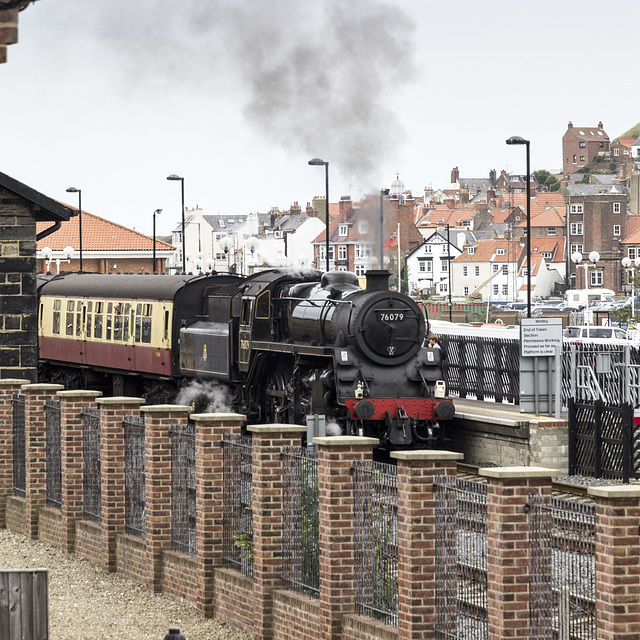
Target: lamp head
{"x": 594, "y": 256}
{"x": 517, "y": 140}
{"x": 316, "y": 162}
{"x": 73, "y": 190}
{"x": 576, "y": 257}
{"x": 384, "y": 192}
{"x": 157, "y": 212}
{"x": 174, "y": 176}
{"x": 67, "y": 252}
{"x": 626, "y": 262}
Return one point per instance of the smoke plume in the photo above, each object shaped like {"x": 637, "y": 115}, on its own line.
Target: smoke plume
{"x": 216, "y": 394}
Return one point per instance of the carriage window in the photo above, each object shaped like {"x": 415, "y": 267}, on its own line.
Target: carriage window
{"x": 146, "y": 323}
{"x": 89, "y": 318}
{"x": 78, "y": 317}
{"x": 69, "y": 317}
{"x": 97, "y": 327}
{"x": 109, "y": 321}
{"x": 166, "y": 325}
{"x": 117, "y": 322}
{"x": 56, "y": 317}
{"x": 138, "y": 328}
{"x": 125, "y": 322}
{"x": 246, "y": 311}
{"x": 263, "y": 303}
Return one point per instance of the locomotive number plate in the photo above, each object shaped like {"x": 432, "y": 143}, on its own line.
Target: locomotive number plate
{"x": 390, "y": 316}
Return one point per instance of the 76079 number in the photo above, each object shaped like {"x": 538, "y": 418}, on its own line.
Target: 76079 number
{"x": 389, "y": 316}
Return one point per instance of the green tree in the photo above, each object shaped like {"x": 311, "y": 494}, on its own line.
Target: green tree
{"x": 553, "y": 183}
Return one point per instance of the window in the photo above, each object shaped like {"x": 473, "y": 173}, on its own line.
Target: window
{"x": 471, "y": 250}
{"x": 466, "y": 291}
{"x": 78, "y": 317}
{"x": 632, "y": 253}
{"x": 97, "y": 323}
{"x": 576, "y": 208}
{"x": 496, "y": 289}
{"x": 263, "y": 305}
{"x": 626, "y": 152}
{"x": 221, "y": 256}
{"x": 576, "y": 228}
{"x": 501, "y": 252}
{"x": 576, "y": 248}
{"x": 575, "y": 161}
{"x": 495, "y": 268}
{"x": 444, "y": 287}
{"x": 505, "y": 289}
{"x": 444, "y": 265}
{"x": 429, "y": 264}
{"x": 69, "y": 318}
{"x": 581, "y": 158}
{"x": 465, "y": 271}
{"x": 616, "y": 207}
{"x": 525, "y": 271}
{"x": 445, "y": 248}
{"x": 595, "y": 276}
{"x": 342, "y": 252}
{"x": 55, "y": 329}
{"x": 477, "y": 270}
{"x": 582, "y": 145}
{"x": 505, "y": 269}
{"x": 117, "y": 322}
{"x": 422, "y": 265}
{"x": 323, "y": 251}
{"x": 361, "y": 269}
{"x": 363, "y": 227}
{"x": 343, "y": 230}
{"x": 466, "y": 224}
{"x": 107, "y": 333}
{"x": 547, "y": 254}
{"x": 427, "y": 248}
{"x": 616, "y": 152}
{"x": 616, "y": 229}
{"x": 551, "y": 231}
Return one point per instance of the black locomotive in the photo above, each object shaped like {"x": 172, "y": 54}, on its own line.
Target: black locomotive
{"x": 285, "y": 345}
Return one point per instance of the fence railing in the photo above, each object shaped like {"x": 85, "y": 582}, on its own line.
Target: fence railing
{"x": 134, "y": 476}
{"x": 183, "y": 488}
{"x": 376, "y": 540}
{"x": 237, "y": 509}
{"x": 461, "y": 540}
{"x": 19, "y": 436}
{"x": 91, "y": 472}
{"x": 54, "y": 454}
{"x": 301, "y": 521}
{"x": 562, "y": 568}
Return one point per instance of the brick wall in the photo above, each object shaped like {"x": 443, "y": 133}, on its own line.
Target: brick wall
{"x": 18, "y": 321}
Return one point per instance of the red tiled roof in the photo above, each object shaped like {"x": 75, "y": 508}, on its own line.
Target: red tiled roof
{"x": 633, "y": 226}
{"x": 487, "y": 251}
{"x": 98, "y": 234}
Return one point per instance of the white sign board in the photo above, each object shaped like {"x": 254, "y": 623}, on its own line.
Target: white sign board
{"x": 540, "y": 336}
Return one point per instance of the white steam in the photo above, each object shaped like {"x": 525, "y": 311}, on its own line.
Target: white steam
{"x": 215, "y": 393}
{"x": 333, "y": 429}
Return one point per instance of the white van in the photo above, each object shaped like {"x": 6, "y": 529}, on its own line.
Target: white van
{"x": 587, "y": 297}
{"x": 594, "y": 333}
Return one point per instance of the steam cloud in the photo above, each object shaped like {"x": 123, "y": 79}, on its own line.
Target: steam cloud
{"x": 218, "y": 395}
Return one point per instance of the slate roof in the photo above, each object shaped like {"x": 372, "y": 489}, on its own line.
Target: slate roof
{"x": 224, "y": 223}
{"x": 593, "y": 189}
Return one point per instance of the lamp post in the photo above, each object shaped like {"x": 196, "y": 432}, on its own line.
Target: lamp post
{"x": 156, "y": 212}
{"x": 173, "y": 176}
{"x": 316, "y": 162}
{"x": 519, "y": 140}
{"x": 79, "y": 192}
{"x": 383, "y": 193}
{"x": 626, "y": 263}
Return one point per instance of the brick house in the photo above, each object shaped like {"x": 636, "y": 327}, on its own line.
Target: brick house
{"x": 580, "y": 145}
{"x": 597, "y": 222}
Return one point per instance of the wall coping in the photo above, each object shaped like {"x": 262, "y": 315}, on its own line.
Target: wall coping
{"x": 5, "y": 382}
{"x": 341, "y": 441}
{"x": 120, "y": 400}
{"x": 277, "y": 428}
{"x": 615, "y": 491}
{"x": 427, "y": 454}
{"x": 42, "y": 386}
{"x": 79, "y": 393}
{"x": 517, "y": 472}
{"x": 219, "y": 417}
{"x": 165, "y": 408}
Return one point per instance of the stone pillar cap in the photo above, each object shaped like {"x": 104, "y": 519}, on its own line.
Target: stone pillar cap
{"x": 42, "y": 387}
{"x": 120, "y": 400}
{"x": 517, "y": 472}
{"x": 240, "y": 417}
{"x": 12, "y": 381}
{"x": 341, "y": 441}
{"x": 427, "y": 454}
{"x": 277, "y": 428}
{"x": 165, "y": 408}
{"x": 79, "y": 393}
{"x": 615, "y": 491}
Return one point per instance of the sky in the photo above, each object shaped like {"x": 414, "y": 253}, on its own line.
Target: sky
{"x": 236, "y": 96}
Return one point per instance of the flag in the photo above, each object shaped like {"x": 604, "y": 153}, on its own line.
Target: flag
{"x": 392, "y": 241}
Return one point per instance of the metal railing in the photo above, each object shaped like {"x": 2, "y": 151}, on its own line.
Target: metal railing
{"x": 301, "y": 521}
{"x": 562, "y": 568}
{"x": 461, "y": 570}
{"x": 91, "y": 473}
{"x": 237, "y": 508}
{"x": 376, "y": 540}
{"x": 134, "y": 476}
{"x": 19, "y": 444}
{"x": 54, "y": 454}
{"x": 183, "y": 488}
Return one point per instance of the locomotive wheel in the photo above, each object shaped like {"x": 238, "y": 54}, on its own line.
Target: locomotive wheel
{"x": 277, "y": 403}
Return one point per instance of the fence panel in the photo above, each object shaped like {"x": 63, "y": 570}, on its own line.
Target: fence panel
{"x": 237, "y": 520}
{"x": 91, "y": 473}
{"x": 19, "y": 444}
{"x": 376, "y": 540}
{"x": 134, "y": 476}
{"x": 461, "y": 570}
{"x": 24, "y": 604}
{"x": 183, "y": 488}
{"x": 54, "y": 454}
{"x": 301, "y": 521}
{"x": 562, "y": 568}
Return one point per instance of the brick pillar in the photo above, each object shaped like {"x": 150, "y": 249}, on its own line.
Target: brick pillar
{"x": 508, "y": 489}
{"x": 35, "y": 446}
{"x": 335, "y": 457}
{"x": 267, "y": 443}
{"x": 8, "y": 387}
{"x": 72, "y": 448}
{"x": 617, "y": 561}
{"x": 210, "y": 427}
{"x": 112, "y": 507}
{"x": 157, "y": 462}
{"x": 417, "y": 552}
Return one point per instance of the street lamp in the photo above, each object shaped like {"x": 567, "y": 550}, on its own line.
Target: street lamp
{"x": 519, "y": 140}
{"x": 79, "y": 192}
{"x": 173, "y": 176}
{"x": 156, "y": 212}
{"x": 226, "y": 244}
{"x": 626, "y": 263}
{"x": 316, "y": 162}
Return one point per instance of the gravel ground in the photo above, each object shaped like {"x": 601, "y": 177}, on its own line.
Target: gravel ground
{"x": 86, "y": 603}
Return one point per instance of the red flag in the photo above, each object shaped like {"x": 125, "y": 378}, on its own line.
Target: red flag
{"x": 392, "y": 241}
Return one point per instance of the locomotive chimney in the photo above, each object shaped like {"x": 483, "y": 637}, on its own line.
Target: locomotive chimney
{"x": 377, "y": 280}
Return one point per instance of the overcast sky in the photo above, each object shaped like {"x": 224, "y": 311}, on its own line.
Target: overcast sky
{"x": 111, "y": 96}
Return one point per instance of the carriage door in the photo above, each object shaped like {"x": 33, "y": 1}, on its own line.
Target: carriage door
{"x": 244, "y": 348}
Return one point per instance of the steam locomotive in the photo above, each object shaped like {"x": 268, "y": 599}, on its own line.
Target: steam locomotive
{"x": 283, "y": 345}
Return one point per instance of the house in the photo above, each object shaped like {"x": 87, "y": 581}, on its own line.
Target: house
{"x": 581, "y": 145}
{"x": 107, "y": 247}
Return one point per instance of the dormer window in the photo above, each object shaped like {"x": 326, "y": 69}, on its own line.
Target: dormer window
{"x": 501, "y": 252}
{"x": 471, "y": 250}
{"x": 343, "y": 230}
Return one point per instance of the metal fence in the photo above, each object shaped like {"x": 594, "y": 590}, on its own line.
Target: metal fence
{"x": 91, "y": 474}
{"x": 376, "y": 540}
{"x": 237, "y": 509}
{"x": 134, "y": 476}
{"x": 301, "y": 521}
{"x": 183, "y": 488}
{"x": 54, "y": 454}
{"x": 562, "y": 568}
{"x": 482, "y": 368}
{"x": 461, "y": 570}
{"x": 19, "y": 436}
{"x": 601, "y": 440}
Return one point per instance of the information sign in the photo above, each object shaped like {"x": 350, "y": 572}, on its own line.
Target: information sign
{"x": 540, "y": 336}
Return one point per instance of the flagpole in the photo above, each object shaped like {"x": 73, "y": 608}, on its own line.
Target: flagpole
{"x": 399, "y": 281}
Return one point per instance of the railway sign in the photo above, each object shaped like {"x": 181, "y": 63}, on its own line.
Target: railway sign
{"x": 540, "y": 336}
